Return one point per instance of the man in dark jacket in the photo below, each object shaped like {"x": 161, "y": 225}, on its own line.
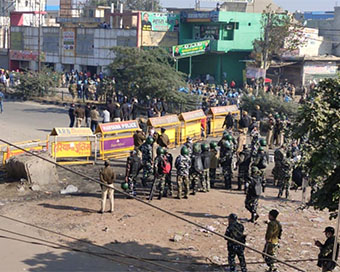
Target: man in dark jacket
{"x": 71, "y": 114}
{"x": 326, "y": 251}
{"x": 163, "y": 139}
{"x": 229, "y": 121}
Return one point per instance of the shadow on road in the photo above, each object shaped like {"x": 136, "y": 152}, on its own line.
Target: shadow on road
{"x": 47, "y": 110}
{"x": 117, "y": 256}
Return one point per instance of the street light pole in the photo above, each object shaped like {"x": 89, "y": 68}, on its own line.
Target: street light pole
{"x": 39, "y": 34}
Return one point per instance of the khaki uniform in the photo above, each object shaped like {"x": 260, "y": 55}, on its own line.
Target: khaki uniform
{"x": 107, "y": 176}
{"x": 270, "y": 134}
{"x": 273, "y": 236}
{"x": 80, "y": 115}
{"x": 163, "y": 140}
{"x": 242, "y": 140}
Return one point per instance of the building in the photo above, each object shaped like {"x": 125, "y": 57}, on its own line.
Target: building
{"x": 329, "y": 29}
{"x": 230, "y": 36}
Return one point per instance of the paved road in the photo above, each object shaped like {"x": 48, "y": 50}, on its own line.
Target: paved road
{"x": 23, "y": 121}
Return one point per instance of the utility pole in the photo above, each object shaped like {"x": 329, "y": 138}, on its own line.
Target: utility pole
{"x": 335, "y": 247}
{"x": 39, "y": 34}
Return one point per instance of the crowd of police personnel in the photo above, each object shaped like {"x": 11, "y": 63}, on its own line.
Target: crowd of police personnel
{"x": 197, "y": 170}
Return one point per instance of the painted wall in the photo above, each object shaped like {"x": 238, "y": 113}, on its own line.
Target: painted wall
{"x": 246, "y": 28}
{"x": 75, "y": 46}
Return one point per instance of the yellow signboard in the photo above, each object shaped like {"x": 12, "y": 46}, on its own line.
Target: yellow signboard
{"x": 71, "y": 149}
{"x": 64, "y": 132}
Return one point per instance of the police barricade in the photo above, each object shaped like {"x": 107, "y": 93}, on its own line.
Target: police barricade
{"x": 192, "y": 124}
{"x": 116, "y": 139}
{"x": 172, "y": 125}
{"x": 7, "y": 151}
{"x": 74, "y": 145}
{"x": 217, "y": 116}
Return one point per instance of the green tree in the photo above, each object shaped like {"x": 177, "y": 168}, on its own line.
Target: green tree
{"x": 37, "y": 83}
{"x": 280, "y": 32}
{"x": 144, "y": 73}
{"x": 318, "y": 121}
{"x": 269, "y": 104}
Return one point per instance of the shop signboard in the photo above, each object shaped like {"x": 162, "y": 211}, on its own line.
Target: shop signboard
{"x": 191, "y": 49}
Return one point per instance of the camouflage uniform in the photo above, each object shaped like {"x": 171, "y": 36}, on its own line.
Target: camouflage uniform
{"x": 273, "y": 235}
{"x": 196, "y": 171}
{"x": 183, "y": 164}
{"x": 133, "y": 166}
{"x": 213, "y": 163}
{"x": 278, "y": 157}
{"x": 205, "y": 178}
{"x": 253, "y": 194}
{"x": 261, "y": 162}
{"x": 226, "y": 162}
{"x": 146, "y": 150}
{"x": 285, "y": 177}
{"x": 159, "y": 175}
{"x": 235, "y": 231}
{"x": 243, "y": 163}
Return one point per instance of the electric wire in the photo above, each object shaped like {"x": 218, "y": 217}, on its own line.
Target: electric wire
{"x": 155, "y": 207}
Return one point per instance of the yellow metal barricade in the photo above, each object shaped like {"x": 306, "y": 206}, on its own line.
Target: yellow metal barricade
{"x": 32, "y": 145}
{"x": 116, "y": 139}
{"x": 218, "y": 115}
{"x": 192, "y": 124}
{"x": 172, "y": 125}
{"x": 74, "y": 145}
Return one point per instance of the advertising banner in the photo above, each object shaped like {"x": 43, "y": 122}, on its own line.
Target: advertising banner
{"x": 156, "y": 21}
{"x": 69, "y": 40}
{"x": 191, "y": 49}
{"x": 72, "y": 149}
{"x": 116, "y": 144}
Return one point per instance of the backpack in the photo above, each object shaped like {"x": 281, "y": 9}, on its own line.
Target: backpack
{"x": 165, "y": 166}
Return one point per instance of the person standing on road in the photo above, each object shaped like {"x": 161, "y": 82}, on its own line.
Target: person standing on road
{"x": 108, "y": 177}
{"x": 94, "y": 118}
{"x": 163, "y": 139}
{"x": 1, "y": 102}
{"x": 235, "y": 231}
{"x": 71, "y": 114}
{"x": 183, "y": 164}
{"x": 253, "y": 192}
{"x": 80, "y": 115}
{"x": 326, "y": 251}
{"x": 106, "y": 116}
{"x": 273, "y": 236}
{"x": 88, "y": 115}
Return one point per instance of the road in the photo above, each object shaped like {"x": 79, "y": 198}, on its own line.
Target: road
{"x": 23, "y": 121}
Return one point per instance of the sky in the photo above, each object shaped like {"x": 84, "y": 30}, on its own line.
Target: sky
{"x": 291, "y": 5}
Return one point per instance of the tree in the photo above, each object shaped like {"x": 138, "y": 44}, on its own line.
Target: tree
{"x": 280, "y": 31}
{"x": 37, "y": 83}
{"x": 145, "y": 5}
{"x": 318, "y": 122}
{"x": 269, "y": 104}
{"x": 144, "y": 73}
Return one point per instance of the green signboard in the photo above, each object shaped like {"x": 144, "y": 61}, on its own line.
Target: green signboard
{"x": 156, "y": 21}
{"x": 190, "y": 49}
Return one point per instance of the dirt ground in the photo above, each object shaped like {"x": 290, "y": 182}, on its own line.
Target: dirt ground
{"x": 142, "y": 231}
